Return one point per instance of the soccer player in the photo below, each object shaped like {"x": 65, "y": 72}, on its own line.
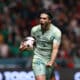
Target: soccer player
{"x": 48, "y": 38}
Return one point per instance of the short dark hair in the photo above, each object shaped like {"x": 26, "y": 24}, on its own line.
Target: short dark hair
{"x": 48, "y": 12}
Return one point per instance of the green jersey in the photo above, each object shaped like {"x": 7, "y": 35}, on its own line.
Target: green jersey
{"x": 45, "y": 41}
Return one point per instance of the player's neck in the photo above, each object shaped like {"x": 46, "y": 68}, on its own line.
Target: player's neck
{"x": 45, "y": 29}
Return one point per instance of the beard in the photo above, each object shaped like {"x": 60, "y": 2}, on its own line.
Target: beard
{"x": 44, "y": 25}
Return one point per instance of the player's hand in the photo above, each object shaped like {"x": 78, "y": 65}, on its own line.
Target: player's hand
{"x": 49, "y": 64}
{"x": 22, "y": 46}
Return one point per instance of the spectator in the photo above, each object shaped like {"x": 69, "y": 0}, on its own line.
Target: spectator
{"x": 4, "y": 49}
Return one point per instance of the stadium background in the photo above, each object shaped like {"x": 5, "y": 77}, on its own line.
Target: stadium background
{"x": 17, "y": 17}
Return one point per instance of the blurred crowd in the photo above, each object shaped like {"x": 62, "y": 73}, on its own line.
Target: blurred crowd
{"x": 17, "y": 17}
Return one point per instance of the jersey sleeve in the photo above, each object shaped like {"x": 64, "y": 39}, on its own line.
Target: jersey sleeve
{"x": 57, "y": 37}
{"x": 32, "y": 32}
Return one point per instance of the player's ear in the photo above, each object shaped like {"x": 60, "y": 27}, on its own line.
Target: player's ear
{"x": 50, "y": 21}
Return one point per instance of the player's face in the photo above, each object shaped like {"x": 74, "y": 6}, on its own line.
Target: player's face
{"x": 44, "y": 20}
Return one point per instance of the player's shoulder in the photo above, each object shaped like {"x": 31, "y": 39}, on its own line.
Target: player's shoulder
{"x": 55, "y": 29}
{"x": 35, "y": 28}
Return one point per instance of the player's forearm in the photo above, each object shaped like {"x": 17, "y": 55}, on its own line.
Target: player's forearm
{"x": 54, "y": 55}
